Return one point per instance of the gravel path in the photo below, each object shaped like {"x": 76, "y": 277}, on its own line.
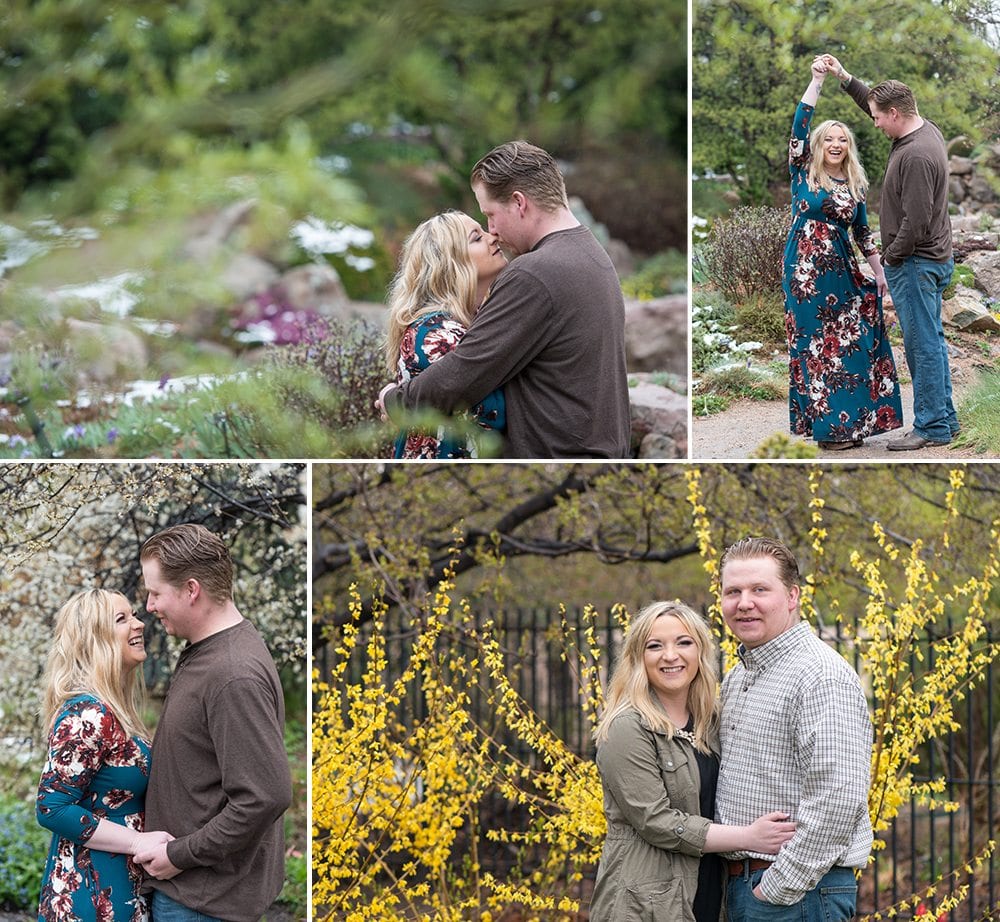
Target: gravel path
{"x": 737, "y": 431}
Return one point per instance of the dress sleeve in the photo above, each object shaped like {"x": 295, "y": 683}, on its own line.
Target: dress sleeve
{"x": 863, "y": 235}
{"x": 77, "y": 747}
{"x": 629, "y": 769}
{"x": 799, "y": 154}
{"x": 424, "y": 342}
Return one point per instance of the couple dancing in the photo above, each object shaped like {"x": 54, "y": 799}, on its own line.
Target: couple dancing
{"x": 533, "y": 350}
{"x": 842, "y": 378}
{"x": 787, "y": 809}
{"x": 186, "y": 828}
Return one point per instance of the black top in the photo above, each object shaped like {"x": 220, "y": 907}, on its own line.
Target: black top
{"x": 708, "y": 898}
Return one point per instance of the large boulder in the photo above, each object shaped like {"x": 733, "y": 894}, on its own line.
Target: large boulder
{"x": 247, "y": 275}
{"x": 656, "y": 335}
{"x": 212, "y": 231}
{"x": 986, "y": 266}
{"x": 315, "y": 286}
{"x": 659, "y": 420}
{"x": 967, "y": 311}
{"x": 108, "y": 352}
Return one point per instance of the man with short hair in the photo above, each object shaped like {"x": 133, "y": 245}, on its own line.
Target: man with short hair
{"x": 916, "y": 248}
{"x": 796, "y": 737}
{"x": 551, "y": 332}
{"x": 219, "y": 779}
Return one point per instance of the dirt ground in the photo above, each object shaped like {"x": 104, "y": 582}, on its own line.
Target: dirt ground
{"x": 738, "y": 431}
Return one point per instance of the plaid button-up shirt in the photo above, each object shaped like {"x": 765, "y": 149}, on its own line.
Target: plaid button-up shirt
{"x": 797, "y": 737}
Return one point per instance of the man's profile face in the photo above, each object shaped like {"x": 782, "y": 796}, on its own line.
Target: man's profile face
{"x": 756, "y": 604}
{"x": 886, "y": 120}
{"x": 169, "y": 604}
{"x": 502, "y": 220}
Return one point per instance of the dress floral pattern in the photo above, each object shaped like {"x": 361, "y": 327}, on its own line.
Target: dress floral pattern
{"x": 843, "y": 382}
{"x": 424, "y": 342}
{"x": 94, "y": 771}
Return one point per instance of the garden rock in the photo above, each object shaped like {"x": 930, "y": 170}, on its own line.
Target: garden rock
{"x": 248, "y": 275}
{"x": 111, "y": 352}
{"x": 215, "y": 229}
{"x": 659, "y": 420}
{"x": 656, "y": 335}
{"x": 981, "y": 191}
{"x": 986, "y": 266}
{"x": 968, "y": 242}
{"x": 315, "y": 286}
{"x": 967, "y": 312}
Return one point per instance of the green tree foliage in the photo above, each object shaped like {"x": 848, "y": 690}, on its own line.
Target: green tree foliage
{"x": 543, "y": 534}
{"x": 66, "y": 527}
{"x": 452, "y": 78}
{"x": 751, "y": 64}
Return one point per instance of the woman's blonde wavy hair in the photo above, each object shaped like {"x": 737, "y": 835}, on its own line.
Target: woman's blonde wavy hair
{"x": 817, "y": 178}
{"x": 86, "y": 658}
{"x": 436, "y": 275}
{"x": 629, "y": 688}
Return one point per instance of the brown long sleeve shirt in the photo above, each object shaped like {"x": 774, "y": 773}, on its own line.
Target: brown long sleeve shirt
{"x": 913, "y": 206}
{"x": 219, "y": 778}
{"x": 552, "y": 333}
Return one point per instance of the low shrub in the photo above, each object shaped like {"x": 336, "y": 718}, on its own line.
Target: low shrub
{"x": 294, "y": 895}
{"x": 740, "y": 381}
{"x": 24, "y": 847}
{"x": 744, "y": 251}
{"x": 348, "y": 359}
{"x": 762, "y": 317}
{"x": 781, "y": 445}
{"x": 663, "y": 274}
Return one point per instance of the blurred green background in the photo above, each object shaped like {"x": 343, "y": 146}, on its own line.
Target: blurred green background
{"x": 160, "y": 160}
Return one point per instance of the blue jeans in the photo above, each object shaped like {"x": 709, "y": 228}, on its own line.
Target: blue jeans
{"x": 833, "y": 900}
{"x": 916, "y": 287}
{"x": 164, "y": 909}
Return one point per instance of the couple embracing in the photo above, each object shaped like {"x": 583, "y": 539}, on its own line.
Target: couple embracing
{"x": 186, "y": 827}
{"x": 533, "y": 350}
{"x": 787, "y": 807}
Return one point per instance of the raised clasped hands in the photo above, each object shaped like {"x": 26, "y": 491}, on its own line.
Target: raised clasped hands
{"x": 832, "y": 65}
{"x": 151, "y": 854}
{"x": 819, "y": 68}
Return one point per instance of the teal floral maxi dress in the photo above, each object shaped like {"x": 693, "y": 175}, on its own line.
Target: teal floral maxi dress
{"x": 94, "y": 771}
{"x": 842, "y": 377}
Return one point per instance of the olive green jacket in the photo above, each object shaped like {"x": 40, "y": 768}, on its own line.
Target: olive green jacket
{"x": 656, "y": 834}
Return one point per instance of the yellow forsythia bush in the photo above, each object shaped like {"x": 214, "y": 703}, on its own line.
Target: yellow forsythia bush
{"x": 397, "y": 797}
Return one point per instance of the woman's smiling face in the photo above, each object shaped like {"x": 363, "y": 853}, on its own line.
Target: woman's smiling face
{"x": 671, "y": 657}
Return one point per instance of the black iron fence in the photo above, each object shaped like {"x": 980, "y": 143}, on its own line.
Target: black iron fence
{"x": 922, "y": 848}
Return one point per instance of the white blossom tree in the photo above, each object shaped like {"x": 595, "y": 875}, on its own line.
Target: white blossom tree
{"x": 65, "y": 527}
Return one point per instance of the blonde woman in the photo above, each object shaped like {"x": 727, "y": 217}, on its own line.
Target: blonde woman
{"x": 842, "y": 377}
{"x": 446, "y": 270}
{"x": 92, "y": 788}
{"x": 658, "y": 755}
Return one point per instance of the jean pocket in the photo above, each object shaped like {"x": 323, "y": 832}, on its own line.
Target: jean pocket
{"x": 838, "y": 903}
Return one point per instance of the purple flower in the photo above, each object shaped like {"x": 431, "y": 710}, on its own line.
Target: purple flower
{"x": 112, "y": 435}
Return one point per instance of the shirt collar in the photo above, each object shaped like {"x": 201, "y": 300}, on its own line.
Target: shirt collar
{"x": 759, "y": 658}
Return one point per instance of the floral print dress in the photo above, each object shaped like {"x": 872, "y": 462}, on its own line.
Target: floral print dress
{"x": 424, "y": 342}
{"x": 843, "y": 383}
{"x": 94, "y": 771}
